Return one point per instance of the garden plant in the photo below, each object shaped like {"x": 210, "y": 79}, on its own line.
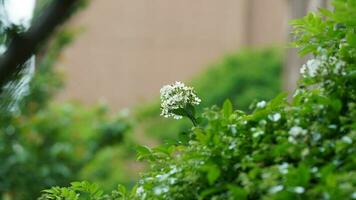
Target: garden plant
{"x": 298, "y": 149}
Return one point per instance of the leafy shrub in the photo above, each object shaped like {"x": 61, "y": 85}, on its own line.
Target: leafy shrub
{"x": 82, "y": 191}
{"x": 37, "y": 153}
{"x": 298, "y": 150}
{"x": 236, "y": 77}
{"x": 281, "y": 151}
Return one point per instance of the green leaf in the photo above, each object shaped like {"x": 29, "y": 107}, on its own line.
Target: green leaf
{"x": 227, "y": 108}
{"x": 211, "y": 191}
{"x": 143, "y": 152}
{"x": 122, "y": 190}
{"x": 351, "y": 39}
{"x": 213, "y": 173}
{"x": 180, "y": 112}
{"x": 237, "y": 192}
{"x": 199, "y": 134}
{"x": 325, "y": 12}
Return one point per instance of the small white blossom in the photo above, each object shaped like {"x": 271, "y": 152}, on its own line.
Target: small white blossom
{"x": 265, "y": 175}
{"x": 310, "y": 68}
{"x": 322, "y": 51}
{"x": 283, "y": 168}
{"x": 232, "y": 128}
{"x": 316, "y": 137}
{"x": 172, "y": 181}
{"x": 332, "y": 126}
{"x": 336, "y": 162}
{"x": 353, "y": 195}
{"x": 275, "y": 117}
{"x": 305, "y": 152}
{"x": 261, "y": 104}
{"x": 326, "y": 195}
{"x": 321, "y": 149}
{"x": 160, "y": 190}
{"x": 162, "y": 177}
{"x": 299, "y": 190}
{"x": 174, "y": 170}
{"x": 176, "y": 96}
{"x": 346, "y": 139}
{"x": 314, "y": 169}
{"x": 276, "y": 189}
{"x": 262, "y": 122}
{"x": 139, "y": 190}
{"x": 321, "y": 63}
{"x": 232, "y": 145}
{"x": 292, "y": 140}
{"x": 339, "y": 66}
{"x": 295, "y": 132}
{"x": 257, "y": 133}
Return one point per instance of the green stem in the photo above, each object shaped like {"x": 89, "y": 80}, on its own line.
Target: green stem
{"x": 192, "y": 119}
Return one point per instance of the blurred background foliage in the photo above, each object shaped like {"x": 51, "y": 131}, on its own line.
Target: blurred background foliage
{"x": 44, "y": 143}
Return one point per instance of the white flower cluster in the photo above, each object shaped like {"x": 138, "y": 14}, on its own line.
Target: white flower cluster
{"x": 299, "y": 190}
{"x": 177, "y": 96}
{"x": 311, "y": 67}
{"x": 276, "y": 189}
{"x": 261, "y": 104}
{"x": 283, "y": 168}
{"x": 320, "y": 65}
{"x": 162, "y": 186}
{"x": 295, "y": 132}
{"x": 275, "y": 117}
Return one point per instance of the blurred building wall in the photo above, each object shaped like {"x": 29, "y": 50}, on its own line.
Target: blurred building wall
{"x": 130, "y": 48}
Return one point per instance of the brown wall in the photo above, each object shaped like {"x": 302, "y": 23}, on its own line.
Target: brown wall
{"x": 130, "y": 48}
{"x": 268, "y": 22}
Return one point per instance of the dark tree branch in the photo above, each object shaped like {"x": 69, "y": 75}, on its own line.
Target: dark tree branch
{"x": 24, "y": 45}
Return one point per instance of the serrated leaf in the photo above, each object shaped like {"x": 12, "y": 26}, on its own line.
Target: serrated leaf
{"x": 227, "y": 108}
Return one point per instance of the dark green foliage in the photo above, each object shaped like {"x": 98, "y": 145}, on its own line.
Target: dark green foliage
{"x": 50, "y": 147}
{"x": 236, "y": 77}
{"x": 83, "y": 191}
{"x": 299, "y": 150}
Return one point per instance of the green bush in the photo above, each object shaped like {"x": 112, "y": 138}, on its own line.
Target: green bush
{"x": 52, "y": 146}
{"x": 236, "y": 77}
{"x": 303, "y": 149}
